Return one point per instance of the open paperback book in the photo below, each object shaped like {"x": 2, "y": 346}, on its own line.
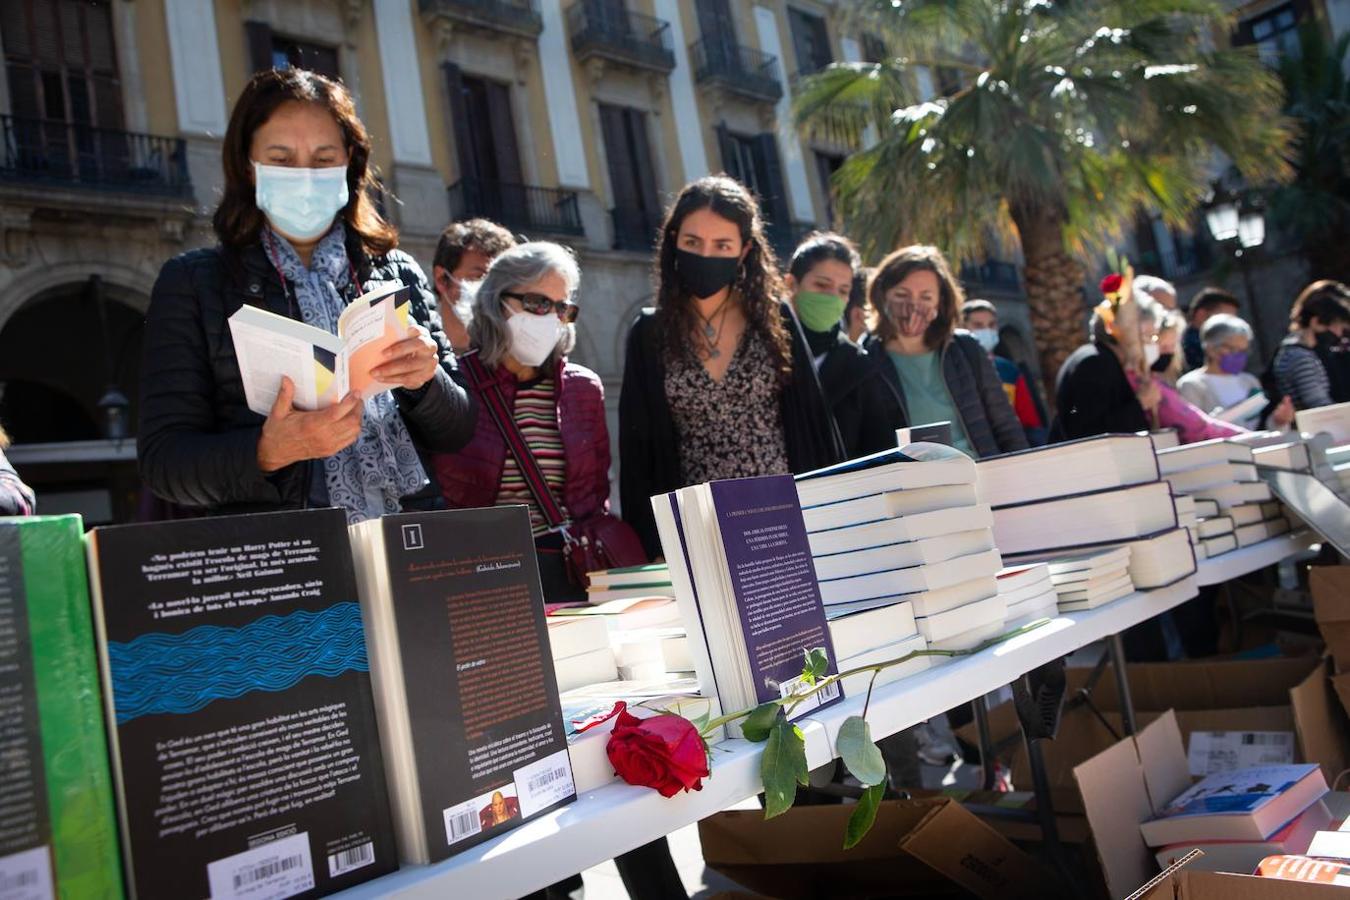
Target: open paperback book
{"x": 323, "y": 367}
{"x": 746, "y": 588}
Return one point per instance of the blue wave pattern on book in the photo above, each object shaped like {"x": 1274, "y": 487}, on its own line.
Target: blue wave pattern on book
{"x": 182, "y": 673}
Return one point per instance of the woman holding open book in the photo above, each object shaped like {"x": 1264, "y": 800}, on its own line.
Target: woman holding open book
{"x": 718, "y": 380}
{"x": 300, "y": 238}
{"x": 922, "y": 369}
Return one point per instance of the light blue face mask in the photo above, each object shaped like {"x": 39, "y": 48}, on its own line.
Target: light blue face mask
{"x": 300, "y": 203}
{"x": 988, "y": 338}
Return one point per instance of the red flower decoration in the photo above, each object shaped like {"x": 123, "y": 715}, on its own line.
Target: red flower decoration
{"x": 1111, "y": 283}
{"x": 663, "y": 752}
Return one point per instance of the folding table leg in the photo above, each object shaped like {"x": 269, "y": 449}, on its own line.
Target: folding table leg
{"x": 1116, "y": 648}
{"x": 988, "y": 760}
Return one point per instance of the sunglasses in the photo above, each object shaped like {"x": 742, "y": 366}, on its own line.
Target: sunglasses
{"x": 542, "y": 305}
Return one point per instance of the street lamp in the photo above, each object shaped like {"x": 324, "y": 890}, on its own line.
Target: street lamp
{"x": 1238, "y": 218}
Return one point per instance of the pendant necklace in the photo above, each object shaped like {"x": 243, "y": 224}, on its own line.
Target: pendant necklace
{"x": 712, "y": 335}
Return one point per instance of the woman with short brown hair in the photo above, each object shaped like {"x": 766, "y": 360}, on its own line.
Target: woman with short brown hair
{"x": 923, "y": 369}
{"x": 299, "y": 237}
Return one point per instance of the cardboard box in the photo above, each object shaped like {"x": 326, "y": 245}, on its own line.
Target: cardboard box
{"x": 1330, "y": 587}
{"x": 1272, "y": 695}
{"x": 929, "y": 847}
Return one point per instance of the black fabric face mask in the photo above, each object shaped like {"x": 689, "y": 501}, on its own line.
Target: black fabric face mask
{"x": 704, "y": 276}
{"x": 1163, "y": 361}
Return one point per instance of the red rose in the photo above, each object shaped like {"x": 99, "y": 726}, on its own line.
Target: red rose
{"x": 663, "y": 752}
{"x": 1111, "y": 283}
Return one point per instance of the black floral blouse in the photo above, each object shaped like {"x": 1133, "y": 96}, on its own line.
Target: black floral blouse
{"x": 730, "y": 428}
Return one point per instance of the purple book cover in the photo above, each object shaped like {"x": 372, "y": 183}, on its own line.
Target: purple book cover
{"x": 774, "y": 581}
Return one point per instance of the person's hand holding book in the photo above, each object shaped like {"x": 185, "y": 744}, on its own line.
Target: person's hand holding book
{"x": 291, "y": 435}
{"x": 411, "y": 362}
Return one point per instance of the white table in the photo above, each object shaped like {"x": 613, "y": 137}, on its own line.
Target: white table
{"x": 619, "y": 817}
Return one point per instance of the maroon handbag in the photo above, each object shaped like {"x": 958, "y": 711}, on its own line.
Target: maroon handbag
{"x": 599, "y": 541}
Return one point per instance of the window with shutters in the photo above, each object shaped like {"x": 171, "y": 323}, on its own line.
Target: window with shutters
{"x": 1275, "y": 34}
{"x": 753, "y": 160}
{"x": 810, "y": 40}
{"x": 637, "y": 211}
{"x": 269, "y": 50}
{"x": 60, "y": 61}
{"x": 873, "y": 48}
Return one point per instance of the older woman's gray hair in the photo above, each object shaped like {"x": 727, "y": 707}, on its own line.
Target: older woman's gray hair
{"x": 512, "y": 270}
{"x": 1153, "y": 286}
{"x": 1150, "y": 310}
{"x": 1219, "y": 328}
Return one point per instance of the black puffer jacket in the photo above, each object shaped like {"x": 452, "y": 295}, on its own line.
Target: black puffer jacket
{"x": 198, "y": 439}
{"x": 868, "y": 400}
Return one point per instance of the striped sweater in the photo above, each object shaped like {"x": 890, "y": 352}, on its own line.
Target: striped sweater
{"x": 1299, "y": 374}
{"x": 536, "y": 415}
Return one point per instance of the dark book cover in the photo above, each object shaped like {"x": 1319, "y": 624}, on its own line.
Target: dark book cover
{"x": 489, "y": 742}
{"x": 245, "y": 745}
{"x": 58, "y": 834}
{"x": 774, "y": 582}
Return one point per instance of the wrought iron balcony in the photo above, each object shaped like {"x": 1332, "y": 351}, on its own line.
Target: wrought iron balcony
{"x": 740, "y": 70}
{"x": 518, "y": 17}
{"x": 635, "y": 229}
{"x": 43, "y": 151}
{"x": 520, "y": 207}
{"x": 603, "y": 31}
{"x": 992, "y": 273}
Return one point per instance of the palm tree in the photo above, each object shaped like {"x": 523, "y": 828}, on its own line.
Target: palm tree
{"x": 1070, "y": 117}
{"x": 1315, "y": 206}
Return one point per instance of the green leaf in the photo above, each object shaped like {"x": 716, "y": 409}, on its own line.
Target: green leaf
{"x": 817, "y": 665}
{"x": 756, "y": 726}
{"x": 783, "y": 766}
{"x": 864, "y": 815}
{"x": 859, "y": 754}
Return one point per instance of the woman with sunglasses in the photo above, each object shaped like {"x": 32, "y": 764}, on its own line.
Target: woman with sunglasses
{"x": 718, "y": 380}
{"x": 522, "y": 329}
{"x": 299, "y": 237}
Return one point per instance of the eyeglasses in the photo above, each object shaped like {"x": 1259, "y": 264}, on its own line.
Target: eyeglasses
{"x": 542, "y": 305}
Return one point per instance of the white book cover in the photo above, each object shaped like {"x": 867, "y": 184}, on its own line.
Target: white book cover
{"x": 912, "y": 527}
{"x": 951, "y": 622}
{"x": 903, "y": 554}
{"x": 915, "y": 579}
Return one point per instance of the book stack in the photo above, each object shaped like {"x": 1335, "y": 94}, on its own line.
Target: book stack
{"x": 746, "y": 591}
{"x": 1333, "y": 420}
{"x": 904, "y": 526}
{"x": 873, "y": 636}
{"x": 1255, "y": 522}
{"x": 644, "y": 654}
{"x": 1028, "y": 592}
{"x": 651, "y": 580}
{"x": 1219, "y": 470}
{"x": 1163, "y": 438}
{"x": 1188, "y": 518}
{"x": 1088, "y": 580}
{"x": 580, "y": 649}
{"x": 1239, "y": 818}
{"x": 1083, "y": 497}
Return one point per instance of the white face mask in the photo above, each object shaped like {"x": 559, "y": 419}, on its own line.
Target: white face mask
{"x": 533, "y": 337}
{"x": 988, "y": 338}
{"x": 300, "y": 203}
{"x": 1151, "y": 352}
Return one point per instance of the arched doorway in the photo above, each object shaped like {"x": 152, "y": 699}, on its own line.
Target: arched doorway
{"x": 61, "y": 352}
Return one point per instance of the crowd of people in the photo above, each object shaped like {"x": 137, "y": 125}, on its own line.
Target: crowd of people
{"x": 739, "y": 369}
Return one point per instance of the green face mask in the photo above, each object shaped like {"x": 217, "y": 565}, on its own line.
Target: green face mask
{"x": 819, "y": 312}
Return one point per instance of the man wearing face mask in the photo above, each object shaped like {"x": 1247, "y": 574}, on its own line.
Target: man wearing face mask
{"x": 980, "y": 318}
{"x": 463, "y": 255}
{"x": 523, "y": 327}
{"x": 299, "y": 237}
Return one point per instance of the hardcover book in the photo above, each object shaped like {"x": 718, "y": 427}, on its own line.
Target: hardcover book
{"x": 245, "y": 752}
{"x": 59, "y": 835}
{"x": 464, "y": 680}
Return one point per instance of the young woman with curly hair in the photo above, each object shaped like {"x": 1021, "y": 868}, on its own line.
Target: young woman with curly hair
{"x": 718, "y": 381}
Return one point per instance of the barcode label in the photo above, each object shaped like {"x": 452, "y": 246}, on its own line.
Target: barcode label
{"x": 544, "y": 782}
{"x": 27, "y": 875}
{"x": 271, "y": 871}
{"x": 1226, "y": 751}
{"x": 345, "y": 861}
{"x": 831, "y": 691}
{"x": 462, "y": 822}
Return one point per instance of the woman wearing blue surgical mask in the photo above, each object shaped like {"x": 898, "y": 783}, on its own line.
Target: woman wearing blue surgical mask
{"x": 299, "y": 237}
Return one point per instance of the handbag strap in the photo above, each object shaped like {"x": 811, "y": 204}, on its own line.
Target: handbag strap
{"x": 490, "y": 391}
